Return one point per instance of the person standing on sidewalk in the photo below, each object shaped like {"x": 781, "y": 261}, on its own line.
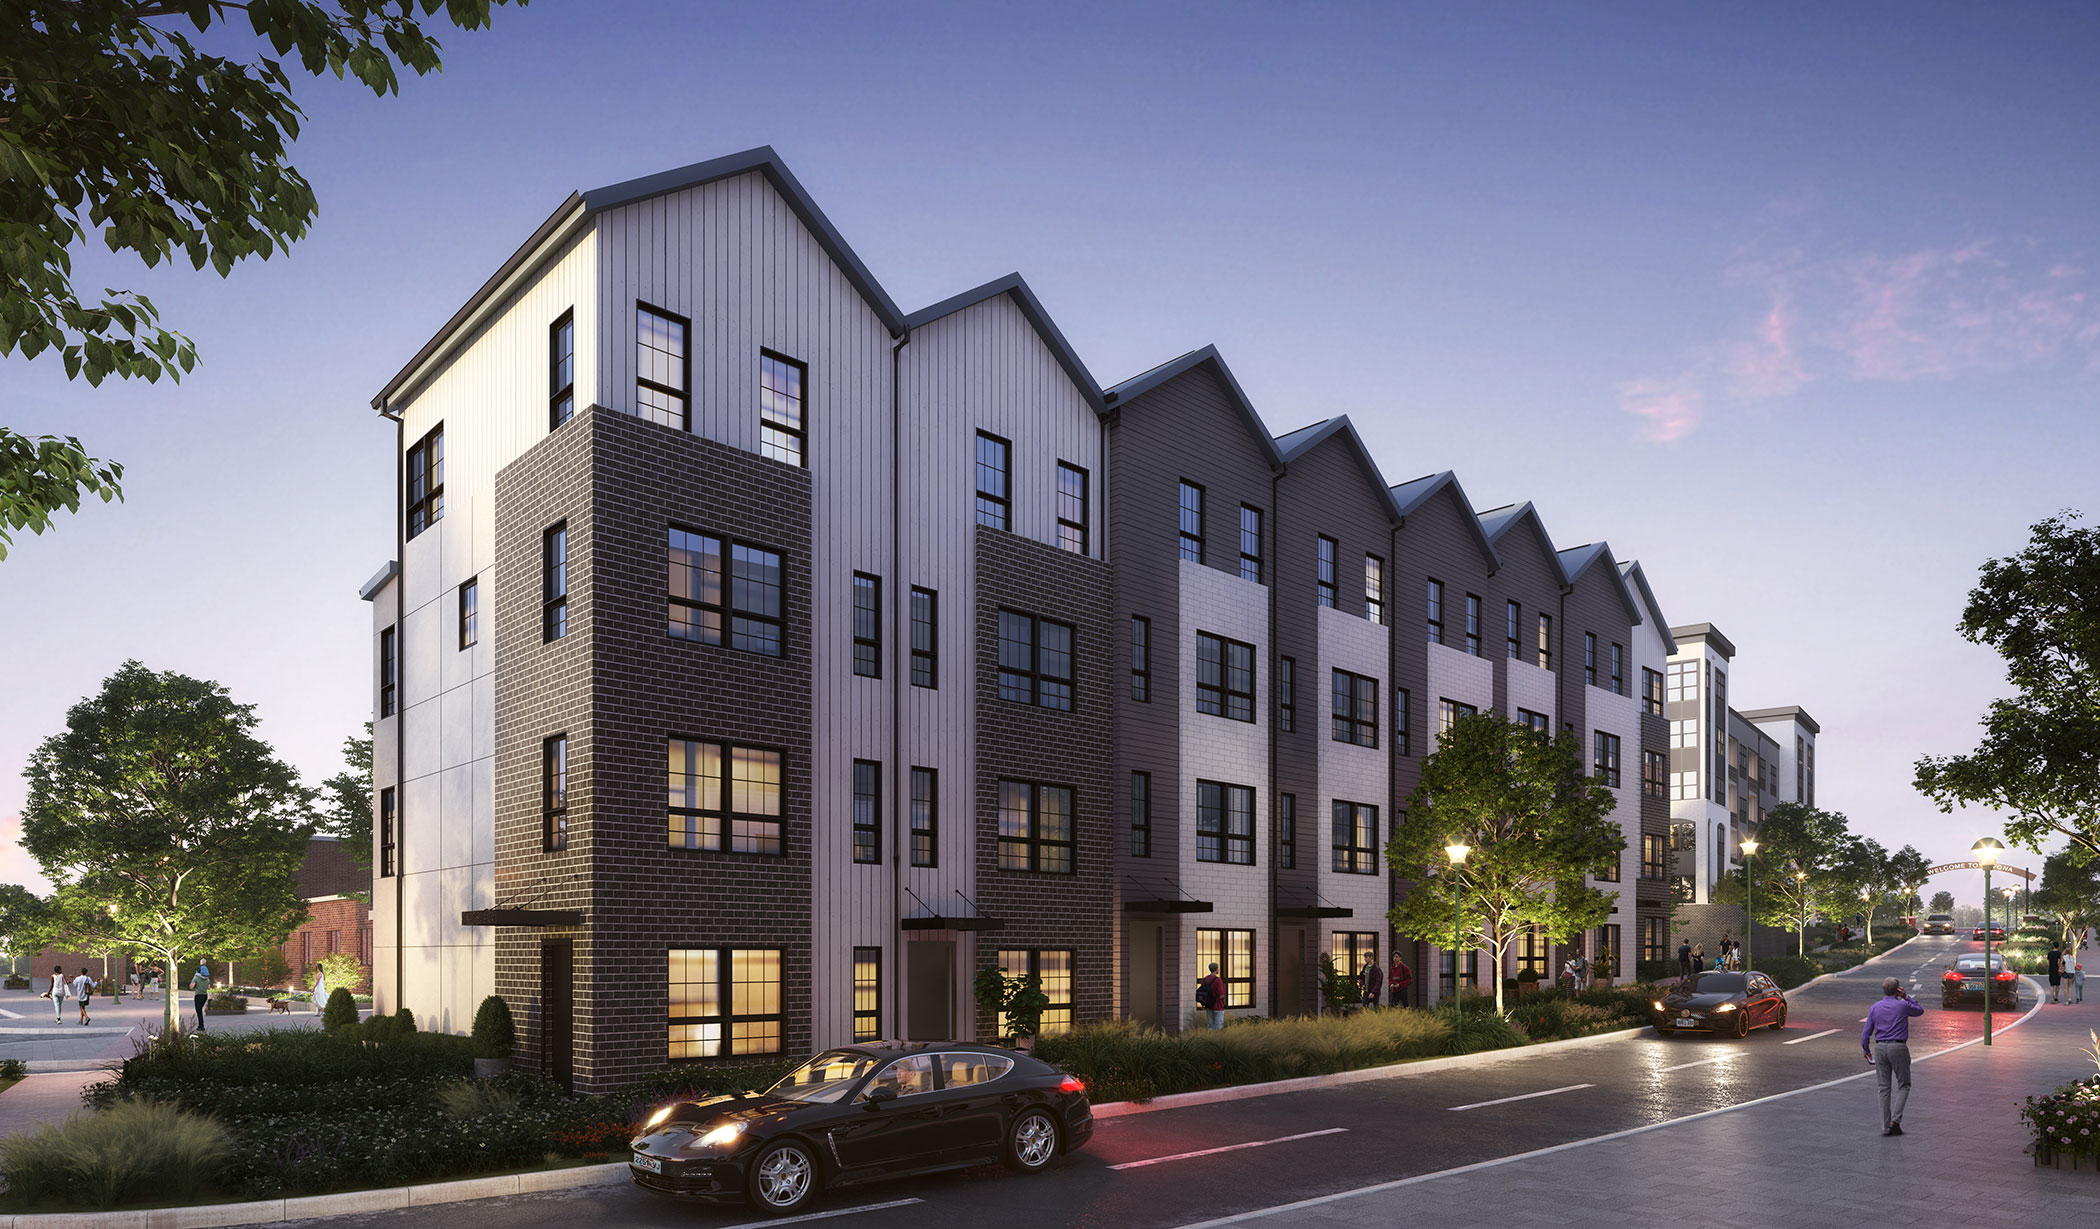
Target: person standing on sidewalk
{"x": 2078, "y": 983}
{"x": 1373, "y": 983}
{"x": 2056, "y": 972}
{"x": 1210, "y": 996}
{"x": 1684, "y": 959}
{"x": 201, "y": 984}
{"x": 1885, "y": 1040}
{"x": 1399, "y": 980}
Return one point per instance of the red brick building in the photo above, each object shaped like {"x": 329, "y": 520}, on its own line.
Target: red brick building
{"x": 339, "y": 913}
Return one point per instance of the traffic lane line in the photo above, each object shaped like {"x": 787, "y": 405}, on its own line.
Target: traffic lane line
{"x": 824, "y": 1215}
{"x": 1811, "y": 1037}
{"x": 1524, "y": 1097}
{"x": 1259, "y": 1143}
{"x": 1700, "y": 1062}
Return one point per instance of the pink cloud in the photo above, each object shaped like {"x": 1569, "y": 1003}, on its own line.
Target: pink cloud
{"x": 1668, "y": 410}
{"x": 1765, "y": 365}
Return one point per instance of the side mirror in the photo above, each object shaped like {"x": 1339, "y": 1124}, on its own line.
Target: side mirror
{"x": 875, "y": 1096}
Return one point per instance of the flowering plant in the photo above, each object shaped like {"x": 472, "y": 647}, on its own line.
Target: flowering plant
{"x": 2067, "y": 1121}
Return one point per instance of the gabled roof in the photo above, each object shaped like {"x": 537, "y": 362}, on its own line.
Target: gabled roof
{"x": 1031, "y": 308}
{"x": 1631, "y": 570}
{"x": 1305, "y": 439}
{"x": 1409, "y": 496}
{"x": 1496, "y": 522}
{"x": 1138, "y": 385}
{"x": 584, "y": 205}
{"x": 1577, "y": 560}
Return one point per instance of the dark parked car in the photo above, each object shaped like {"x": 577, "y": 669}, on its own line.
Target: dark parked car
{"x": 1721, "y": 1003}
{"x": 1964, "y": 983}
{"x": 860, "y": 1113}
{"x": 1997, "y": 934}
{"x": 1937, "y": 924}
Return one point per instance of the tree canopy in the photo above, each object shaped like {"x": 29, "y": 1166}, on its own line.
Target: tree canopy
{"x": 2071, "y": 891}
{"x": 1798, "y": 865}
{"x": 1942, "y": 902}
{"x": 347, "y": 800}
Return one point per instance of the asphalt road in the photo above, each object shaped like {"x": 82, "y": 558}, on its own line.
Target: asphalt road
{"x": 1266, "y": 1151}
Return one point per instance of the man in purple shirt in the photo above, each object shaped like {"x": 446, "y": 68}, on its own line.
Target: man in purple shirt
{"x": 1885, "y": 1040}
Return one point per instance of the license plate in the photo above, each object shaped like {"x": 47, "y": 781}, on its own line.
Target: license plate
{"x": 650, "y": 1163}
{"x": 1969, "y": 985}
{"x": 1684, "y": 1022}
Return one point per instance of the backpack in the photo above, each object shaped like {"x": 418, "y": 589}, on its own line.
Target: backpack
{"x": 1206, "y": 995}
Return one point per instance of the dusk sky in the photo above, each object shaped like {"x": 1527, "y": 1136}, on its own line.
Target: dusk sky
{"x": 1797, "y": 305}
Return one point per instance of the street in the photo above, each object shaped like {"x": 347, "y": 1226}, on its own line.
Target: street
{"x": 1174, "y": 1167}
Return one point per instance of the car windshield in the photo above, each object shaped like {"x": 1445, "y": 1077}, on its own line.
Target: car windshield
{"x": 825, "y": 1078}
{"x": 1718, "y": 983}
{"x": 1975, "y": 963}
{"x": 1940, "y": 917}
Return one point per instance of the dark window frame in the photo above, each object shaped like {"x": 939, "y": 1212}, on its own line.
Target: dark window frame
{"x": 867, "y": 1021}
{"x": 1403, "y": 722}
{"x": 469, "y": 612}
{"x": 1655, "y": 862}
{"x": 1618, "y": 668}
{"x": 389, "y": 833}
{"x": 1356, "y": 726}
{"x": 561, "y": 369}
{"x": 1239, "y": 991}
{"x": 1141, "y": 659}
{"x": 1434, "y": 608}
{"x": 1080, "y": 539}
{"x": 1287, "y": 694}
{"x": 1538, "y": 723}
{"x": 867, "y": 625}
{"x": 726, "y": 814}
{"x": 425, "y": 481}
{"x": 725, "y": 1014}
{"x": 389, "y": 672}
{"x": 1606, "y": 749}
{"x": 683, "y": 396}
{"x": 925, "y": 638}
{"x": 734, "y": 625}
{"x": 1140, "y": 814}
{"x": 554, "y": 793}
{"x": 1651, "y": 692}
{"x": 1216, "y": 692}
{"x": 867, "y": 812}
{"x": 1287, "y": 831}
{"x": 1326, "y": 592}
{"x": 1513, "y": 629}
{"x": 1374, "y": 589}
{"x": 1251, "y": 563}
{"x": 1215, "y": 824}
{"x": 1352, "y": 857}
{"x": 1033, "y": 844}
{"x": 1473, "y": 624}
{"x": 1589, "y": 658}
{"x": 1041, "y": 682}
{"x": 1655, "y": 774}
{"x": 1183, "y": 511}
{"x": 1545, "y": 645}
{"x": 554, "y": 582}
{"x": 999, "y": 505}
{"x": 799, "y": 435}
{"x": 925, "y": 816}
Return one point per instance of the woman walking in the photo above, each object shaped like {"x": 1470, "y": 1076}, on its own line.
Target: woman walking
{"x": 57, "y": 995}
{"x": 201, "y": 984}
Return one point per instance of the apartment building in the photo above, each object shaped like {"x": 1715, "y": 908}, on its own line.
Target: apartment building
{"x": 949, "y": 659}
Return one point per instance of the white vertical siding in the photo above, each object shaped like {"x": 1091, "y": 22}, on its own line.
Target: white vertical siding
{"x": 1351, "y": 773}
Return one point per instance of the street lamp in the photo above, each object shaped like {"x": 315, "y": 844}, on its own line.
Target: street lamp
{"x": 1987, "y": 850}
{"x": 1801, "y": 899}
{"x": 1457, "y": 851}
{"x": 1866, "y": 897}
{"x": 1749, "y": 847}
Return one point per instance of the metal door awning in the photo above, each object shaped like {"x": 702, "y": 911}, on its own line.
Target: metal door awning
{"x": 521, "y": 917}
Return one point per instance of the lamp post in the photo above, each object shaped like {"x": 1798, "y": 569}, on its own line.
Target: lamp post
{"x": 1866, "y": 899}
{"x": 1749, "y": 847}
{"x": 1987, "y": 850}
{"x": 1801, "y": 900}
{"x": 1457, "y": 851}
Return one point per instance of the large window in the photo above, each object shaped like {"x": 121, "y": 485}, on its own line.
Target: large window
{"x": 1537, "y": 723}
{"x": 1436, "y": 612}
{"x": 724, "y": 1001}
{"x": 1655, "y": 773}
{"x": 1355, "y": 838}
{"x": 1250, "y": 544}
{"x": 1651, "y": 692}
{"x": 1473, "y": 624}
{"x": 1036, "y": 828}
{"x": 1287, "y": 694}
{"x": 1403, "y": 722}
{"x": 1191, "y": 521}
{"x": 1140, "y": 658}
{"x": 661, "y": 372}
{"x": 1053, "y": 970}
{"x": 1140, "y": 814}
{"x": 1589, "y": 658}
{"x": 783, "y": 430}
{"x": 426, "y": 481}
{"x": 389, "y": 835}
{"x": 753, "y": 591}
{"x": 1224, "y": 823}
{"x": 561, "y": 370}
{"x": 867, "y": 994}
{"x": 994, "y": 490}
{"x": 1329, "y": 548}
{"x": 925, "y": 817}
{"x": 1287, "y": 831}
{"x": 1447, "y": 714}
{"x": 1545, "y": 658}
{"x": 1374, "y": 588}
{"x": 867, "y": 811}
{"x": 1532, "y": 950}
{"x": 1513, "y": 621}
{"x": 554, "y": 583}
{"x": 1607, "y": 758}
{"x": 1355, "y": 709}
{"x": 867, "y": 625}
{"x": 724, "y": 798}
{"x": 925, "y": 638}
{"x": 1654, "y": 855}
{"x": 1224, "y": 677}
{"x": 1035, "y": 661}
{"x": 1618, "y": 669}
{"x": 554, "y": 793}
{"x": 1233, "y": 952}
{"x": 1353, "y": 950}
{"x": 1072, "y": 508}
{"x": 469, "y": 612}
{"x": 1654, "y": 940}
{"x": 389, "y": 672}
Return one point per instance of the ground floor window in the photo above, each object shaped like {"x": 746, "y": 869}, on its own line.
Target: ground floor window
{"x": 867, "y": 994}
{"x": 1353, "y": 949}
{"x": 724, "y": 1001}
{"x": 1654, "y": 943}
{"x": 1233, "y": 952}
{"x": 1448, "y": 961}
{"x": 1531, "y": 951}
{"x": 1055, "y": 970}
{"x": 1604, "y": 952}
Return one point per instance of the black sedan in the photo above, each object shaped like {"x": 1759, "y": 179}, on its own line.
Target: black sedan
{"x": 1721, "y": 1003}
{"x": 861, "y": 1113}
{"x": 1969, "y": 979}
{"x": 1997, "y": 934}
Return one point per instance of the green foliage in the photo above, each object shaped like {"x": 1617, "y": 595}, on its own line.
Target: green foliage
{"x": 494, "y": 1034}
{"x": 2067, "y": 1121}
{"x": 346, "y": 801}
{"x": 341, "y": 969}
{"x": 28, "y": 922}
{"x": 2071, "y": 891}
{"x": 266, "y": 967}
{"x": 1337, "y": 988}
{"x": 1796, "y": 865}
{"x": 1477, "y": 1026}
{"x": 1537, "y": 824}
{"x": 2040, "y": 610}
{"x": 130, "y": 1150}
{"x": 1790, "y": 971}
{"x": 42, "y": 474}
{"x": 13, "y": 1068}
{"x": 1942, "y": 902}
{"x": 340, "y": 1011}
{"x": 467, "y": 1099}
{"x": 1019, "y": 999}
{"x": 225, "y": 1004}
{"x": 1121, "y": 1061}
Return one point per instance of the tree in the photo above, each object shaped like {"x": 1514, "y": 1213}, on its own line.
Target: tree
{"x": 114, "y": 122}
{"x": 1799, "y": 846}
{"x": 1942, "y": 902}
{"x": 2070, "y": 890}
{"x": 27, "y": 923}
{"x": 1907, "y": 868}
{"x": 168, "y": 827}
{"x": 2039, "y": 758}
{"x": 347, "y": 800}
{"x": 1537, "y": 824}
{"x": 1859, "y": 879}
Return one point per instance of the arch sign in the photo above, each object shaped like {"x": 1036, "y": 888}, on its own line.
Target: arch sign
{"x": 2000, "y": 868}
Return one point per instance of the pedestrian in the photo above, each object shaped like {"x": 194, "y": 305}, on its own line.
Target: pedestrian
{"x": 1885, "y": 1041}
{"x": 1567, "y": 976}
{"x": 1684, "y": 959}
{"x": 2056, "y": 972}
{"x": 2078, "y": 983}
{"x": 83, "y": 989}
{"x": 1399, "y": 980}
{"x": 201, "y": 984}
{"x": 1699, "y": 959}
{"x": 1373, "y": 982}
{"x": 1723, "y": 950}
{"x": 1210, "y": 996}
{"x": 57, "y": 995}
{"x": 1582, "y": 972}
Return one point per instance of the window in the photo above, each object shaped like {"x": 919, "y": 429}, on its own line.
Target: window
{"x": 1355, "y": 838}
{"x": 1654, "y": 944}
{"x": 1374, "y": 588}
{"x": 1537, "y": 723}
{"x": 561, "y": 370}
{"x": 469, "y": 612}
{"x": 867, "y": 811}
{"x": 554, "y": 793}
{"x": 1224, "y": 677}
{"x": 1071, "y": 508}
{"x": 1800, "y": 764}
{"x": 1589, "y": 658}
{"x": 1654, "y": 855}
{"x": 1651, "y": 692}
{"x": 1035, "y": 661}
{"x": 1328, "y": 548}
{"x": 1224, "y": 823}
{"x": 660, "y": 367}
{"x": 426, "y": 481}
{"x": 1403, "y": 727}
{"x": 1250, "y": 544}
{"x": 1472, "y": 624}
{"x": 1436, "y": 612}
{"x": 1286, "y": 694}
{"x": 1512, "y": 621}
{"x": 925, "y": 817}
{"x": 994, "y": 495}
{"x": 1036, "y": 828}
{"x": 1233, "y": 952}
{"x": 1604, "y": 952}
{"x": 783, "y": 432}
{"x": 867, "y": 625}
{"x": 703, "y": 980}
{"x": 1655, "y": 772}
{"x": 1287, "y": 831}
{"x": 1140, "y": 658}
{"x": 1447, "y": 714}
{"x": 389, "y": 835}
{"x": 1053, "y": 971}
{"x": 1355, "y": 709}
{"x": 724, "y": 798}
{"x": 1618, "y": 669}
{"x": 753, "y": 608}
{"x": 389, "y": 672}
{"x": 925, "y": 633}
{"x": 867, "y": 994}
{"x": 1353, "y": 950}
{"x": 1532, "y": 948}
{"x": 1140, "y": 814}
{"x": 1545, "y": 642}
{"x": 554, "y": 583}
{"x": 1607, "y": 758}
{"x": 1609, "y": 874}
{"x": 1191, "y": 521}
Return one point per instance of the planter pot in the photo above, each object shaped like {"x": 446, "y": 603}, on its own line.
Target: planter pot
{"x": 1600, "y": 983}
{"x": 2045, "y": 1159}
{"x": 1525, "y": 989}
{"x": 490, "y": 1068}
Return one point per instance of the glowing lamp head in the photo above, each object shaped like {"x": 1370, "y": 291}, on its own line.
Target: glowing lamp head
{"x": 1457, "y": 852}
{"x": 1749, "y": 845}
{"x": 1987, "y": 851}
{"x": 2009, "y": 892}
{"x": 1800, "y": 874}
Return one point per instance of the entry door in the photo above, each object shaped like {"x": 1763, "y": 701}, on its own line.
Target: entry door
{"x": 929, "y": 994}
{"x": 1290, "y": 971}
{"x": 1146, "y": 941}
{"x": 558, "y": 1010}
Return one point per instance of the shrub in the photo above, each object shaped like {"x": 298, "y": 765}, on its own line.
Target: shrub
{"x": 1472, "y": 1031}
{"x": 16, "y": 983}
{"x": 1124, "y": 1061}
{"x": 221, "y": 1004}
{"x": 131, "y": 1149}
{"x": 341, "y": 1010}
{"x": 13, "y": 1068}
{"x": 341, "y": 969}
{"x": 1789, "y": 971}
{"x": 1528, "y": 975}
{"x": 465, "y": 1099}
{"x": 494, "y": 1035}
{"x": 404, "y": 1019}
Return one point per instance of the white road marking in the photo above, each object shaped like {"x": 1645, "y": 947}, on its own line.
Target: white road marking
{"x": 1811, "y": 1037}
{"x": 1525, "y": 1097}
{"x": 1697, "y": 1062}
{"x": 1259, "y": 1143}
{"x": 808, "y": 1216}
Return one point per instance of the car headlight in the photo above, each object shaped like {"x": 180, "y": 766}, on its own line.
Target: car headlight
{"x": 1724, "y": 1007}
{"x": 721, "y": 1136}
{"x": 1659, "y": 1006}
{"x": 656, "y": 1119}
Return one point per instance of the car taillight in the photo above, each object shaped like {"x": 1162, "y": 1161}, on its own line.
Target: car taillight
{"x": 2008, "y": 975}
{"x": 1952, "y": 975}
{"x": 1071, "y": 1083}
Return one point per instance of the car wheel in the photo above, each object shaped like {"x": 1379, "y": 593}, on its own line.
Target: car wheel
{"x": 1742, "y": 1023}
{"x": 783, "y": 1177}
{"x": 1032, "y": 1143}
{"x": 1780, "y": 1021}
